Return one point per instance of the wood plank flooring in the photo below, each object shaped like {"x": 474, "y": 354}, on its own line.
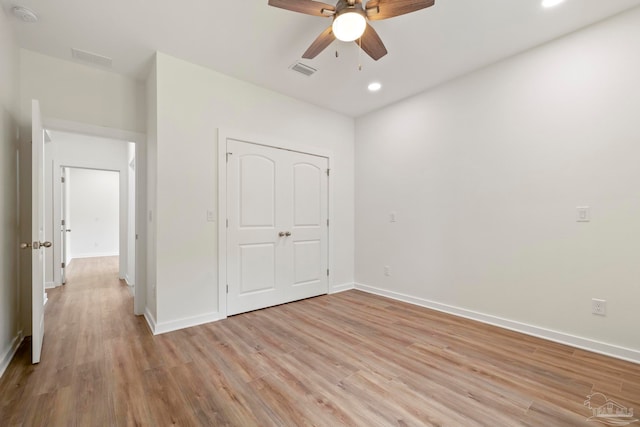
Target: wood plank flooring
{"x": 347, "y": 359}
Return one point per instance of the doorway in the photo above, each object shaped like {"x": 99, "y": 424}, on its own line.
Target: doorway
{"x": 90, "y": 224}
{"x": 93, "y": 147}
{"x": 71, "y": 153}
{"x": 35, "y": 171}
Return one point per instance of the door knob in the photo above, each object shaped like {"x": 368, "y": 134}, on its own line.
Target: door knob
{"x": 287, "y": 234}
{"x": 284, "y": 234}
{"x": 281, "y": 234}
{"x": 68, "y": 231}
{"x": 35, "y": 245}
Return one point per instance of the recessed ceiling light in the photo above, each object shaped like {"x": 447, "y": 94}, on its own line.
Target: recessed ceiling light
{"x": 374, "y": 87}
{"x": 24, "y": 14}
{"x": 551, "y": 3}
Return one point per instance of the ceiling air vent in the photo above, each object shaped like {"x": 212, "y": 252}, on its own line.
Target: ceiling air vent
{"x": 303, "y": 69}
{"x": 92, "y": 58}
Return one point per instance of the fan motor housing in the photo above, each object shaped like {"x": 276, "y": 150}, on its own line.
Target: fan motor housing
{"x": 344, "y": 6}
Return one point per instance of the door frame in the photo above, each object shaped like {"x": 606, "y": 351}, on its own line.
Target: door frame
{"x": 225, "y": 134}
{"x": 64, "y": 237}
{"x": 140, "y": 140}
{"x": 122, "y": 208}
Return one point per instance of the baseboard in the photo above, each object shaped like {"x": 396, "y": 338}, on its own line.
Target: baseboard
{"x": 611, "y": 350}
{"x": 93, "y": 255}
{"x": 341, "y": 288}
{"x": 151, "y": 320}
{"x": 130, "y": 285}
{"x": 7, "y": 355}
{"x": 187, "y": 322}
{"x": 52, "y": 285}
{"x": 128, "y": 280}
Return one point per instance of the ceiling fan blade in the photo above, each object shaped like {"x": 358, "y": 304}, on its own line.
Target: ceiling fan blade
{"x": 372, "y": 44}
{"x": 320, "y": 43}
{"x": 384, "y": 9}
{"x": 309, "y": 7}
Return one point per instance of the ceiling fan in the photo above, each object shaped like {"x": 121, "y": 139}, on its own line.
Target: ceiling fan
{"x": 350, "y": 21}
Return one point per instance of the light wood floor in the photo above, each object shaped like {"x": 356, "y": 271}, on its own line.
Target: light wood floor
{"x": 345, "y": 359}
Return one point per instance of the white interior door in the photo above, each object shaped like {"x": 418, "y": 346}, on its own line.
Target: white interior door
{"x": 307, "y": 249}
{"x": 277, "y": 234}
{"x": 38, "y": 296}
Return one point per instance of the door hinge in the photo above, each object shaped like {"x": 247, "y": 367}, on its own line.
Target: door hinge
{"x": 63, "y": 265}
{"x": 228, "y": 154}
{"x": 327, "y": 271}
{"x": 227, "y": 222}
{"x": 328, "y": 172}
{"x": 327, "y": 223}
{"x": 227, "y": 288}
{"x": 63, "y": 222}
{"x": 62, "y": 179}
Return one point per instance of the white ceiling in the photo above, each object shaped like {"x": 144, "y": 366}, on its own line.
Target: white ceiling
{"x": 254, "y": 42}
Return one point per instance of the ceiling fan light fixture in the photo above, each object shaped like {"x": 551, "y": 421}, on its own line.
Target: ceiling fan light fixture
{"x": 349, "y": 24}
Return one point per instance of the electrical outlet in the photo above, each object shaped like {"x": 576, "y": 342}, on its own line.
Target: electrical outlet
{"x": 387, "y": 270}
{"x": 599, "y": 307}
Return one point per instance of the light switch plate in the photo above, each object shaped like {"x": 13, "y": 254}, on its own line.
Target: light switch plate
{"x": 583, "y": 213}
{"x": 211, "y": 216}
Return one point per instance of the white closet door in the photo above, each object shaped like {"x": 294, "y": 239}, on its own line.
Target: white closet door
{"x": 307, "y": 246}
{"x": 277, "y": 233}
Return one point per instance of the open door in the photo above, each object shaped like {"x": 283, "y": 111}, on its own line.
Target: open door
{"x": 38, "y": 296}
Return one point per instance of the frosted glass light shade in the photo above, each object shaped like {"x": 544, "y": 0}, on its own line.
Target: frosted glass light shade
{"x": 349, "y": 26}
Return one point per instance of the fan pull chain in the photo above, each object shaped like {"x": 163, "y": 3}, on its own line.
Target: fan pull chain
{"x": 360, "y": 54}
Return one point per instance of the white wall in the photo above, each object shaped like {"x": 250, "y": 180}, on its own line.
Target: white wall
{"x": 93, "y": 214}
{"x": 88, "y": 152}
{"x": 485, "y": 174}
{"x": 10, "y": 326}
{"x": 70, "y": 91}
{"x": 192, "y": 103}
